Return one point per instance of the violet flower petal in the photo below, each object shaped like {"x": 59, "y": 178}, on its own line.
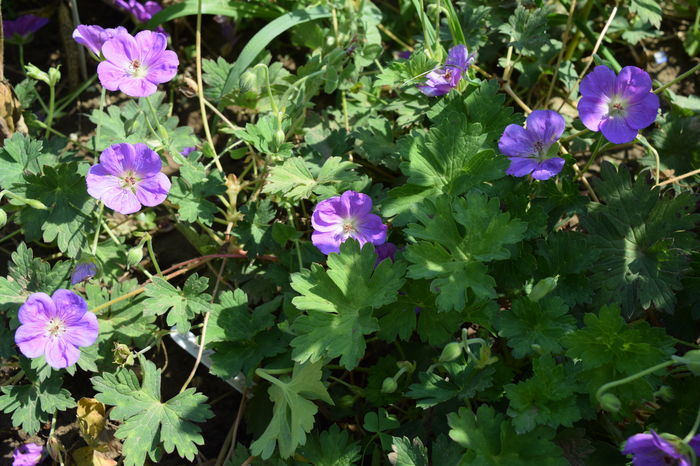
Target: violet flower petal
{"x": 515, "y": 141}
{"x": 617, "y": 131}
{"x": 548, "y": 168}
{"x": 521, "y": 166}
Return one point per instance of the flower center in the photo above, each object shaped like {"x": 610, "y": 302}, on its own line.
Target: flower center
{"x": 617, "y": 107}
{"x": 55, "y": 327}
{"x": 349, "y": 227}
{"x": 129, "y": 181}
{"x": 136, "y": 69}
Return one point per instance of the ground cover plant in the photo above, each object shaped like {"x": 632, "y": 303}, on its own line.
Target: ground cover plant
{"x": 349, "y": 232}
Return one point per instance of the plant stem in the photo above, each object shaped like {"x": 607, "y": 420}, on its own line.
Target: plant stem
{"x": 200, "y": 85}
{"x": 694, "y": 429}
{"x": 52, "y": 105}
{"x": 97, "y": 230}
{"x": 594, "y": 154}
{"x": 616, "y": 383}
{"x": 677, "y": 79}
{"x": 103, "y": 95}
{"x": 152, "y": 254}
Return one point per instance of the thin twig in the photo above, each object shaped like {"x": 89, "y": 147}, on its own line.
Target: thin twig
{"x": 200, "y": 85}
{"x": 514, "y": 96}
{"x": 203, "y": 336}
{"x": 564, "y": 39}
{"x": 595, "y": 50}
{"x": 678, "y": 178}
{"x": 239, "y": 416}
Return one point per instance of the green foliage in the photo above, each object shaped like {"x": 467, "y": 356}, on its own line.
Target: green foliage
{"x": 648, "y": 11}
{"x": 33, "y": 404}
{"x": 28, "y": 274}
{"x": 19, "y": 157}
{"x": 490, "y": 440}
{"x": 644, "y": 241}
{"x": 609, "y": 350}
{"x": 453, "y": 241}
{"x": 535, "y": 327}
{"x": 68, "y": 217}
{"x": 380, "y": 423}
{"x": 410, "y": 452}
{"x": 255, "y": 231}
{"x": 462, "y": 381}
{"x": 181, "y": 305}
{"x": 149, "y": 425}
{"x": 331, "y": 447}
{"x": 450, "y": 158}
{"x": 191, "y": 189}
{"x": 241, "y": 338}
{"x": 547, "y": 398}
{"x": 339, "y": 303}
{"x": 293, "y": 412}
{"x": 298, "y": 179}
{"x": 527, "y": 30}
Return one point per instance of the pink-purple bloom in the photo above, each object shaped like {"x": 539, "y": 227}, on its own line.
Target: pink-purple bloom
{"x": 136, "y": 65}
{"x": 187, "y": 151}
{"x": 618, "y": 106}
{"x": 444, "y": 79}
{"x": 528, "y": 148}
{"x": 93, "y": 37}
{"x": 55, "y": 327}
{"x": 652, "y": 450}
{"x": 346, "y": 216}
{"x": 18, "y": 30}
{"x": 82, "y": 272}
{"x": 127, "y": 176}
{"x": 28, "y": 454}
{"x": 385, "y": 251}
{"x": 142, "y": 12}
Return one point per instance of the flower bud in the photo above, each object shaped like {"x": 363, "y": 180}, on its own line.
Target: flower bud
{"x": 3, "y": 218}
{"x": 134, "y": 256}
{"x": 690, "y": 359}
{"x": 54, "y": 76}
{"x": 450, "y": 352}
{"x": 665, "y": 393}
{"x": 389, "y": 385}
{"x": 610, "y": 402}
{"x": 35, "y": 204}
{"x": 35, "y": 73}
{"x": 122, "y": 355}
{"x": 279, "y": 137}
{"x": 542, "y": 288}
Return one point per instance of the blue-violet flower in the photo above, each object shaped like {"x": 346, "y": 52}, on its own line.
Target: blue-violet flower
{"x": 618, "y": 106}
{"x": 28, "y": 454}
{"x": 444, "y": 79}
{"x": 19, "y": 30}
{"x": 55, "y": 327}
{"x": 652, "y": 450}
{"x": 93, "y": 37}
{"x": 82, "y": 272}
{"x": 346, "y": 216}
{"x": 528, "y": 148}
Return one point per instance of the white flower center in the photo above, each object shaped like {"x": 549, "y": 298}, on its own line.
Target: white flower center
{"x": 617, "y": 106}
{"x": 349, "y": 227}
{"x": 137, "y": 70}
{"x": 55, "y": 327}
{"x": 130, "y": 180}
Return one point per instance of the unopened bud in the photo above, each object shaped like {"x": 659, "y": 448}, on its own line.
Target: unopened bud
{"x": 389, "y": 385}
{"x": 450, "y": 352}
{"x": 665, "y": 393}
{"x": 35, "y": 73}
{"x": 690, "y": 359}
{"x": 279, "y": 137}
{"x": 134, "y": 256}
{"x": 610, "y": 403}
{"x": 3, "y": 218}
{"x": 35, "y": 204}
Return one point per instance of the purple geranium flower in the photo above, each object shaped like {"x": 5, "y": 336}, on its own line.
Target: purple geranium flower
{"x": 443, "y": 80}
{"x": 128, "y": 176}
{"x": 618, "y": 106}
{"x": 651, "y": 450}
{"x": 94, "y": 37}
{"x": 528, "y": 148}
{"x": 187, "y": 151}
{"x": 55, "y": 326}
{"x": 83, "y": 271}
{"x": 28, "y": 454}
{"x": 20, "y": 29}
{"x": 136, "y": 65}
{"x": 346, "y": 216}
{"x": 384, "y": 251}
{"x": 142, "y": 12}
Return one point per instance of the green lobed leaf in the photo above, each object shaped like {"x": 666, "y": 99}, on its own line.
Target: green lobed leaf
{"x": 332, "y": 447}
{"x": 339, "y": 303}
{"x": 33, "y": 404}
{"x": 453, "y": 241}
{"x": 293, "y": 412}
{"x": 148, "y": 424}
{"x": 181, "y": 305}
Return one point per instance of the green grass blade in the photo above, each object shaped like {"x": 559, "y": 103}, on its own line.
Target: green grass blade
{"x": 261, "y": 40}
{"x": 232, "y": 8}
